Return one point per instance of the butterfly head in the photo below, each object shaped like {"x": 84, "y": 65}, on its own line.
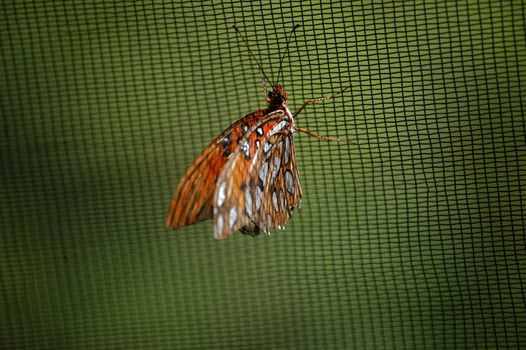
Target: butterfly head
{"x": 277, "y": 96}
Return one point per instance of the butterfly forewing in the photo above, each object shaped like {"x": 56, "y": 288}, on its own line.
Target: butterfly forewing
{"x": 192, "y": 200}
{"x": 259, "y": 187}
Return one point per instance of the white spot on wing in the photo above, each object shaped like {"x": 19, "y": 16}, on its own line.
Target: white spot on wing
{"x": 289, "y": 182}
{"x": 246, "y": 149}
{"x": 263, "y": 172}
{"x": 221, "y": 194}
{"x": 267, "y": 147}
{"x": 232, "y": 217}
{"x": 219, "y": 225}
{"x": 275, "y": 171}
{"x": 278, "y": 127}
{"x": 259, "y": 197}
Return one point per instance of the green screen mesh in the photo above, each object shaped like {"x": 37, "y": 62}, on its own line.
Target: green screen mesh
{"x": 412, "y": 238}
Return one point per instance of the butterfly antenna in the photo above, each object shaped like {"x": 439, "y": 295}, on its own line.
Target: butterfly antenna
{"x": 287, "y": 49}
{"x": 251, "y": 53}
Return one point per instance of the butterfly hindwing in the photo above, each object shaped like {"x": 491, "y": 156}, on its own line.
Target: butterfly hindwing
{"x": 275, "y": 182}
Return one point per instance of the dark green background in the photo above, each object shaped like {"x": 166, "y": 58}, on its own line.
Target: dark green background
{"x": 414, "y": 238}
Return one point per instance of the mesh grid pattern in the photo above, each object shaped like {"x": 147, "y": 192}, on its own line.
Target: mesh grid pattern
{"x": 414, "y": 238}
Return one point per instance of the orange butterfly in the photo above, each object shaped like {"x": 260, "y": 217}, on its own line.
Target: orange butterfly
{"x": 247, "y": 178}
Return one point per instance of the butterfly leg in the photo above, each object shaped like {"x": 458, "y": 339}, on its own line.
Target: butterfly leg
{"x": 318, "y": 99}
{"x": 324, "y": 138}
{"x": 313, "y": 101}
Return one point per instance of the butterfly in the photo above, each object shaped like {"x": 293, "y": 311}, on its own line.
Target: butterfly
{"x": 247, "y": 179}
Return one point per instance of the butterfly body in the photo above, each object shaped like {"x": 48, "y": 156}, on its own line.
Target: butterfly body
{"x": 247, "y": 178}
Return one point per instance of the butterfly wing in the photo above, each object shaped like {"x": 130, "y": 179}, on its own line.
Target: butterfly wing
{"x": 192, "y": 200}
{"x": 278, "y": 179}
{"x": 259, "y": 187}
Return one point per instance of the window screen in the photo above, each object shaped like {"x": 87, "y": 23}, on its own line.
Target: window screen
{"x": 411, "y": 238}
